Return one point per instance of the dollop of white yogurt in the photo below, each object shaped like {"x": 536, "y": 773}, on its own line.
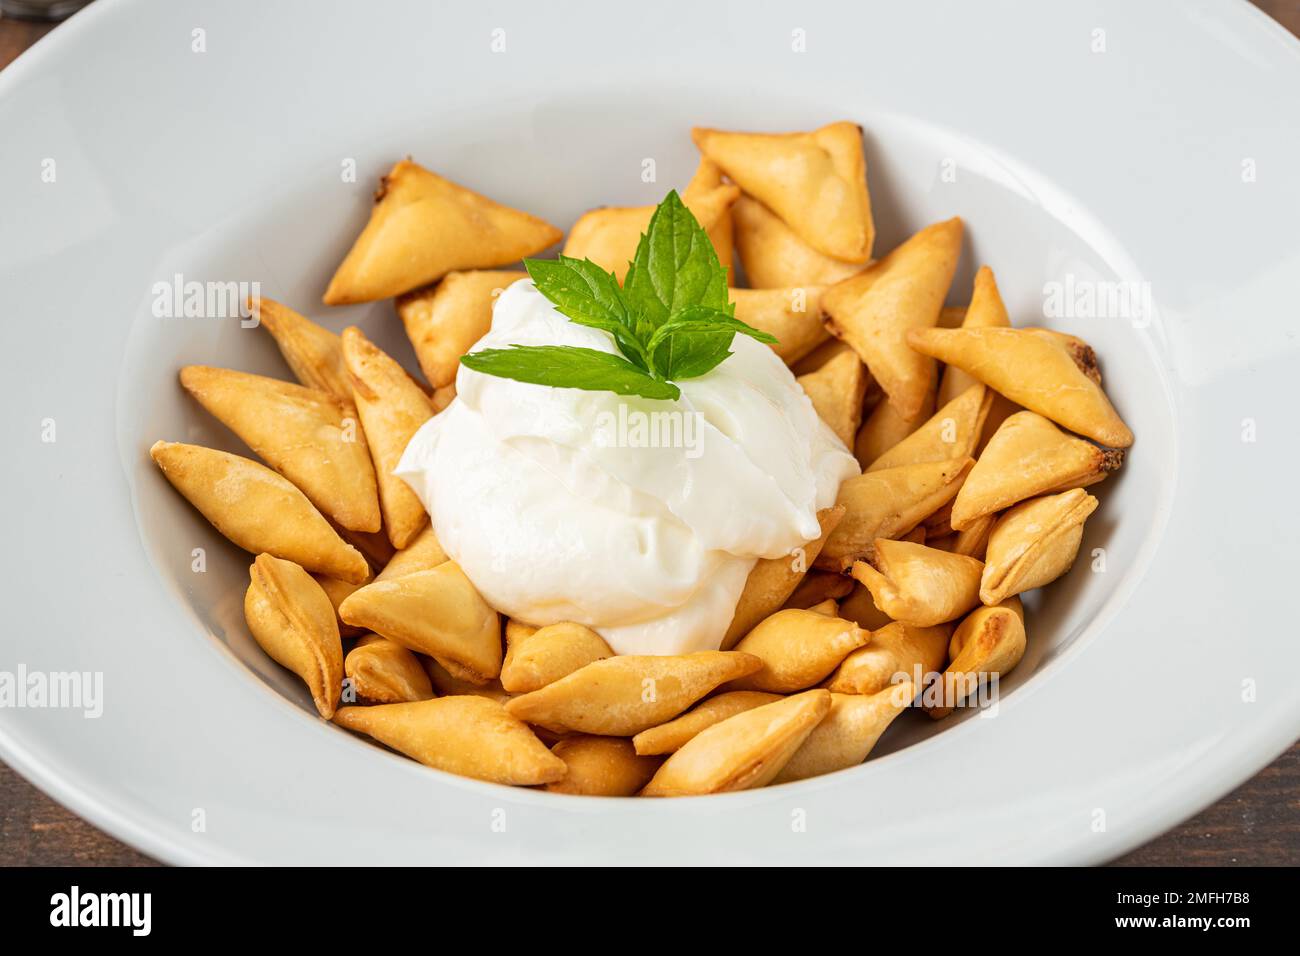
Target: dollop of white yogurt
{"x": 638, "y": 518}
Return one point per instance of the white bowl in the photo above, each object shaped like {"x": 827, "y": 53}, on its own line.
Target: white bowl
{"x": 1090, "y": 144}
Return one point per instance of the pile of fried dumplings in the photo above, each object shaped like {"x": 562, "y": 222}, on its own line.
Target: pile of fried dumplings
{"x": 977, "y": 440}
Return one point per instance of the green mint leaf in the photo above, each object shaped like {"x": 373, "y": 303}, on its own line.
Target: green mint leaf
{"x": 590, "y": 296}
{"x": 567, "y": 366}
{"x": 675, "y": 266}
{"x": 700, "y": 319}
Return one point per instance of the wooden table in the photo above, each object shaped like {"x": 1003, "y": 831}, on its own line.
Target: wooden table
{"x": 1258, "y": 823}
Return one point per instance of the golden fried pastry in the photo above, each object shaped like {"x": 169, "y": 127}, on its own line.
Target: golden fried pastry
{"x": 793, "y": 315}
{"x": 310, "y": 436}
{"x": 951, "y": 432}
{"x": 437, "y": 612}
{"x": 1027, "y": 457}
{"x": 1034, "y": 543}
{"x": 918, "y": 585}
{"x": 469, "y": 736}
{"x": 816, "y": 182}
{"x": 706, "y": 193}
{"x": 543, "y": 656}
{"x": 422, "y": 227}
{"x": 392, "y": 407}
{"x": 313, "y": 353}
{"x": 798, "y": 649}
{"x": 257, "y": 509}
{"x": 384, "y": 672}
{"x": 989, "y": 642}
{"x": 860, "y": 608}
{"x": 818, "y": 587}
{"x": 338, "y": 591}
{"x": 422, "y": 554}
{"x": 875, "y": 310}
{"x": 622, "y": 696}
{"x": 836, "y": 391}
{"x": 447, "y": 684}
{"x": 445, "y": 320}
{"x": 896, "y": 652}
{"x": 672, "y": 736}
{"x": 293, "y": 621}
{"x": 774, "y": 257}
{"x": 884, "y": 428}
{"x": 1046, "y": 372}
{"x": 972, "y": 540}
{"x": 986, "y": 311}
{"x": 609, "y": 236}
{"x": 772, "y": 580}
{"x": 848, "y": 732}
{"x": 602, "y": 767}
{"x": 888, "y": 504}
{"x": 742, "y": 752}
{"x": 375, "y": 545}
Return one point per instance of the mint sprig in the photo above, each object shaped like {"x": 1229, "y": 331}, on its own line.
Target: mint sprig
{"x": 671, "y": 319}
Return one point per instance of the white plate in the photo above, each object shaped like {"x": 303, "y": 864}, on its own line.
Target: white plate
{"x": 1150, "y": 689}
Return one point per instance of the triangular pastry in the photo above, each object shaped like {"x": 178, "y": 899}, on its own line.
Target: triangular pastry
{"x": 875, "y": 310}
{"x": 313, "y": 353}
{"x": 1029, "y": 456}
{"x": 1034, "y": 543}
{"x": 1046, "y": 372}
{"x": 986, "y": 311}
{"x": 816, "y": 182}
{"x": 422, "y": 227}
{"x": 292, "y": 619}
{"x": 742, "y": 752}
{"x": 836, "y": 391}
{"x": 951, "y": 432}
{"x": 798, "y": 649}
{"x": 310, "y": 436}
{"x": 774, "y": 257}
{"x": 445, "y": 320}
{"x": 392, "y": 407}
{"x": 549, "y": 653}
{"x": 989, "y": 642}
{"x": 895, "y": 653}
{"x": 385, "y": 672}
{"x": 848, "y": 732}
{"x": 672, "y": 736}
{"x": 793, "y": 316}
{"x": 257, "y": 509}
{"x": 602, "y": 767}
{"x": 918, "y": 585}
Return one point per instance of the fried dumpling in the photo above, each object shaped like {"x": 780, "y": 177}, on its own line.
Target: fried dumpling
{"x": 792, "y": 315}
{"x": 888, "y": 504}
{"x": 1053, "y": 374}
{"x": 986, "y": 311}
{"x": 609, "y": 236}
{"x": 313, "y": 353}
{"x": 467, "y": 735}
{"x": 292, "y": 619}
{"x": 989, "y": 641}
{"x": 602, "y": 767}
{"x": 773, "y": 580}
{"x": 951, "y": 432}
{"x": 1029, "y": 456}
{"x": 875, "y": 310}
{"x": 385, "y": 672}
{"x": 836, "y": 391}
{"x": 1034, "y": 543}
{"x": 549, "y": 653}
{"x": 848, "y": 732}
{"x": 884, "y": 428}
{"x": 798, "y": 649}
{"x": 622, "y": 696}
{"x": 310, "y": 436}
{"x": 422, "y": 227}
{"x": 392, "y": 408}
{"x": 774, "y": 257}
{"x": 672, "y": 736}
{"x": 437, "y": 612}
{"x": 444, "y": 320}
{"x": 257, "y": 509}
{"x": 819, "y": 587}
{"x": 816, "y": 182}
{"x": 897, "y": 652}
{"x": 742, "y": 752}
{"x": 422, "y": 554}
{"x": 918, "y": 585}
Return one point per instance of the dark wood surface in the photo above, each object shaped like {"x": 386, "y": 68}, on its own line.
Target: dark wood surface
{"x": 1257, "y": 824}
